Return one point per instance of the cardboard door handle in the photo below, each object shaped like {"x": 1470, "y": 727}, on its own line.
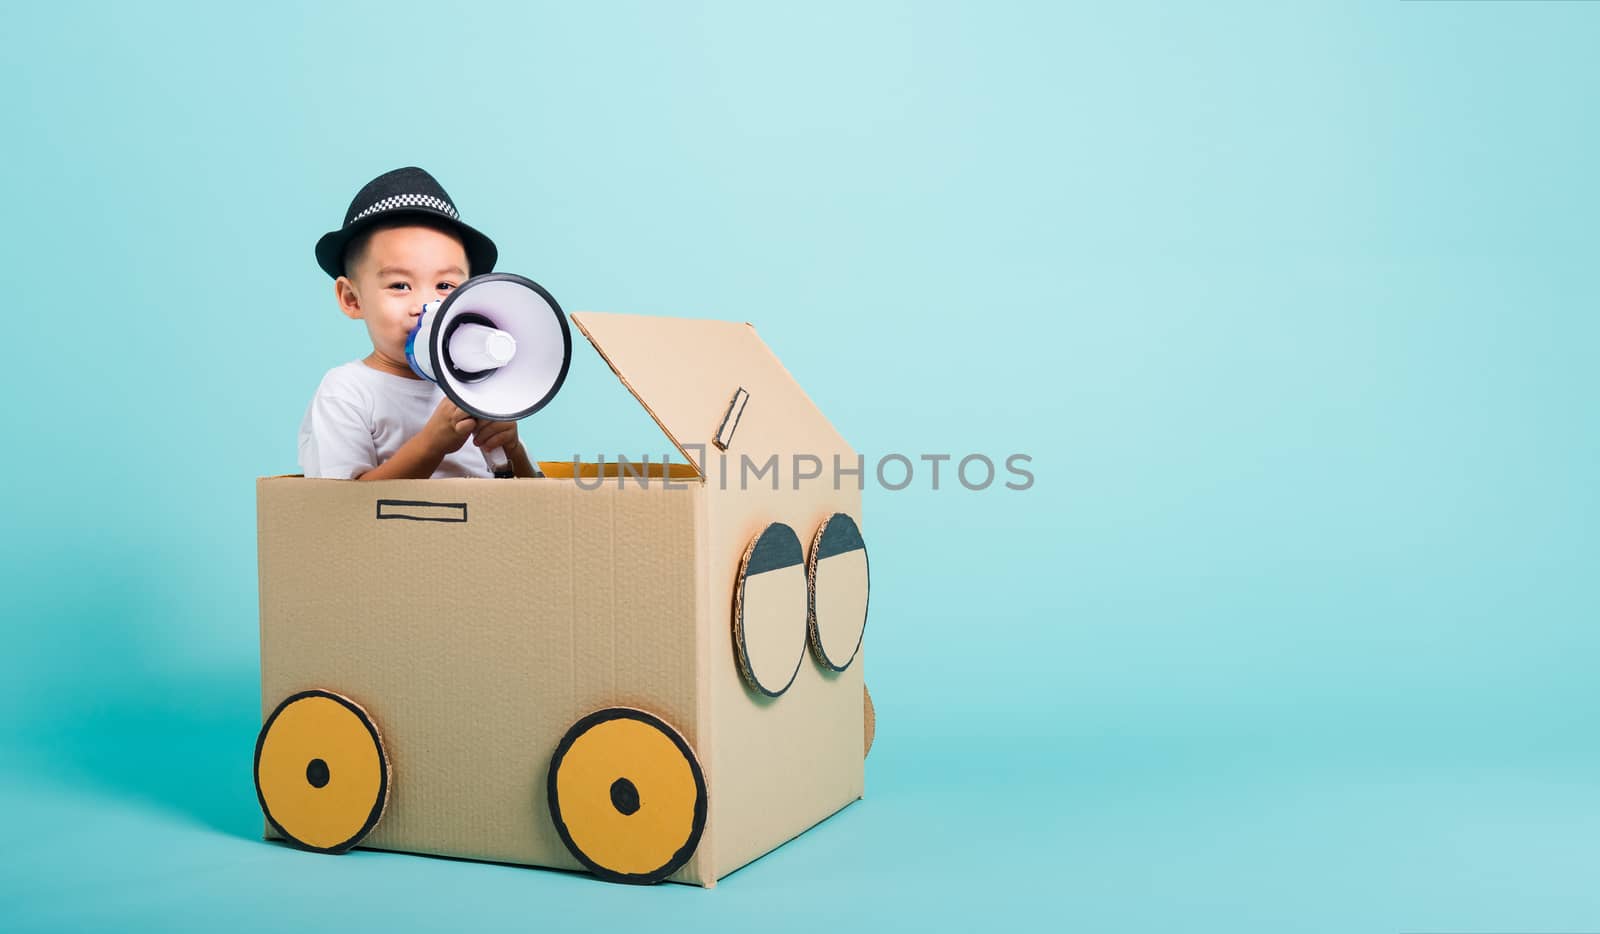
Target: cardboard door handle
{"x": 421, "y": 510}
{"x": 730, "y": 421}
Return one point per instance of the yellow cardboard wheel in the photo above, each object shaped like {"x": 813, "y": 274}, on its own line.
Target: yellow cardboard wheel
{"x": 869, "y": 720}
{"x": 627, "y": 795}
{"x": 321, "y": 774}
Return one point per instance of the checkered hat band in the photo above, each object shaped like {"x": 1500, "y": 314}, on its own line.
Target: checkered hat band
{"x": 409, "y": 201}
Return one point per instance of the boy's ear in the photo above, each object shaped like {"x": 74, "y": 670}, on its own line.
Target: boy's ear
{"x": 349, "y": 302}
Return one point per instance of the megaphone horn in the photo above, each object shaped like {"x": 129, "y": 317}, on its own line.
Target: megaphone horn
{"x": 498, "y": 346}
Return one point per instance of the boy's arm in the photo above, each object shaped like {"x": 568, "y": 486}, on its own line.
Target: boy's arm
{"x": 417, "y": 459}
{"x": 521, "y": 465}
{"x": 447, "y": 429}
{"x": 503, "y": 435}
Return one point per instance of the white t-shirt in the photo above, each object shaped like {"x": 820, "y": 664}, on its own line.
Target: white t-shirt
{"x": 360, "y": 417}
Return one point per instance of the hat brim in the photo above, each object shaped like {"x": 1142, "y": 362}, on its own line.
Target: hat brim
{"x": 481, "y": 251}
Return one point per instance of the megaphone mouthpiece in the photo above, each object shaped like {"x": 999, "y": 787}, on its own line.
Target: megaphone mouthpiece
{"x": 478, "y": 348}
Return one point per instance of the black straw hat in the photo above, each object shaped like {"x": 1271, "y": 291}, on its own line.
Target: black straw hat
{"x": 397, "y": 195}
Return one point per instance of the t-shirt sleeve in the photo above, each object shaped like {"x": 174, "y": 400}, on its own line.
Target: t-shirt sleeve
{"x": 335, "y": 437}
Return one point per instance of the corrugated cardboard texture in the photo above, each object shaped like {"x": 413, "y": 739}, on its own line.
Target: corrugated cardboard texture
{"x": 475, "y": 645}
{"x": 776, "y": 765}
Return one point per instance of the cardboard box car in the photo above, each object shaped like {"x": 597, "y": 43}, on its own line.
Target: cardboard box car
{"x": 430, "y": 648}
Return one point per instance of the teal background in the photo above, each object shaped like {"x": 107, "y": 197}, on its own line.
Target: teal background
{"x": 1291, "y": 304}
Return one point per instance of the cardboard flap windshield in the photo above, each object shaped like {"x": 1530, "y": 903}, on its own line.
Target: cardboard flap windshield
{"x": 555, "y": 671}
{"x": 714, "y": 386}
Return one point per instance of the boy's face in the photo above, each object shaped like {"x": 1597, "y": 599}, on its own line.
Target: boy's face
{"x": 401, "y": 269}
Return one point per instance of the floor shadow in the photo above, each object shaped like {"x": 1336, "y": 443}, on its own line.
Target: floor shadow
{"x": 180, "y": 742}
{"x": 99, "y": 701}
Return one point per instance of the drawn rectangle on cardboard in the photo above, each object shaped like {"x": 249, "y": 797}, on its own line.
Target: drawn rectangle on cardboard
{"x": 421, "y": 510}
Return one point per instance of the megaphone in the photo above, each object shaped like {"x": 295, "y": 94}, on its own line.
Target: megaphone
{"x": 499, "y": 347}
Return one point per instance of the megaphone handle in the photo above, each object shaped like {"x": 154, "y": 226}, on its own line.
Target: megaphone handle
{"x": 499, "y": 464}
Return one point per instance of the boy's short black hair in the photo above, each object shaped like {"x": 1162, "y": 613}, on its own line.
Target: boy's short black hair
{"x": 357, "y": 247}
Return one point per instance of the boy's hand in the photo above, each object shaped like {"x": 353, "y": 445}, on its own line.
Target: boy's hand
{"x": 448, "y": 427}
{"x": 491, "y": 435}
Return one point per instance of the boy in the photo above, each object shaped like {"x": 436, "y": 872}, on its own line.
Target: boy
{"x": 402, "y": 245}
